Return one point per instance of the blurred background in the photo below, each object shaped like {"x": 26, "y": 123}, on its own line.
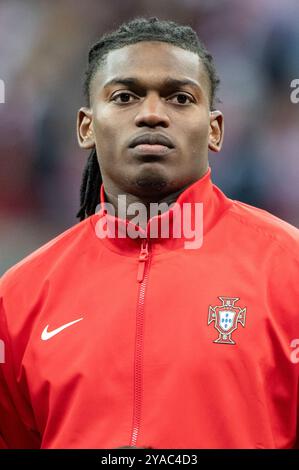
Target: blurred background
{"x": 43, "y": 55}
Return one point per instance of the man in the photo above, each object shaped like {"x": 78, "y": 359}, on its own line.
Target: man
{"x": 114, "y": 337}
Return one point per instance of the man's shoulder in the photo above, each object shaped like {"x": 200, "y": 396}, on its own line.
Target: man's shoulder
{"x": 46, "y": 256}
{"x": 262, "y": 223}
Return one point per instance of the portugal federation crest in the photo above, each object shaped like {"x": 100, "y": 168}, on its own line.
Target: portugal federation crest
{"x": 226, "y": 318}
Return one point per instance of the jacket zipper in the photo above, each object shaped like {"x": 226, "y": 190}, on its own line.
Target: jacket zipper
{"x": 142, "y": 276}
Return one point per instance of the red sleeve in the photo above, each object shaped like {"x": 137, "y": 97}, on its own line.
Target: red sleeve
{"x": 15, "y": 432}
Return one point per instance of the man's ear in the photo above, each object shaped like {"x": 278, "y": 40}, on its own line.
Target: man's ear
{"x": 216, "y": 131}
{"x": 85, "y": 134}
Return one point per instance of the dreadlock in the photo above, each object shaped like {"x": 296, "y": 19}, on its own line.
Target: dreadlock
{"x": 89, "y": 190}
{"x": 137, "y": 30}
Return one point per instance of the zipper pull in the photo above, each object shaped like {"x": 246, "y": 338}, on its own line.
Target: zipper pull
{"x": 143, "y": 257}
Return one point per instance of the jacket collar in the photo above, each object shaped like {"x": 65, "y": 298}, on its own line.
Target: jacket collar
{"x": 196, "y": 211}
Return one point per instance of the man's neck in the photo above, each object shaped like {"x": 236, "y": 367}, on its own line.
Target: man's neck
{"x": 150, "y": 204}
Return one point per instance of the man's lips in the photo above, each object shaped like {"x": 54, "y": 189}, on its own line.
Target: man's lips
{"x": 151, "y": 149}
{"x": 151, "y": 139}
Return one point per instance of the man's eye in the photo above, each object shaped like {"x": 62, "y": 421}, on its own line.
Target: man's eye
{"x": 182, "y": 98}
{"x": 123, "y": 97}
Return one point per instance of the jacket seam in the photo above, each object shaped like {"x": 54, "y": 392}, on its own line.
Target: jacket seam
{"x": 263, "y": 232}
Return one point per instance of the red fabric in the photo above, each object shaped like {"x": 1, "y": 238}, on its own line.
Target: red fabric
{"x": 142, "y": 366}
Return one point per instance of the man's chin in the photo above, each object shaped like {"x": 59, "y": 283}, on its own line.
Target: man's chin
{"x": 150, "y": 184}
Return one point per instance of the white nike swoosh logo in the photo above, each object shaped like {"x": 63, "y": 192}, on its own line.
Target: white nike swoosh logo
{"x": 49, "y": 334}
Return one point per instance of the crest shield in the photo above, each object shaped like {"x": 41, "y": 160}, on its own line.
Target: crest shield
{"x": 226, "y": 318}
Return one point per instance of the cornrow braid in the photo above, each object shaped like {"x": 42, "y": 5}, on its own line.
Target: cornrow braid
{"x": 132, "y": 32}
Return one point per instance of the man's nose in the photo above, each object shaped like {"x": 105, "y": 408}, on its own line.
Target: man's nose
{"x": 152, "y": 112}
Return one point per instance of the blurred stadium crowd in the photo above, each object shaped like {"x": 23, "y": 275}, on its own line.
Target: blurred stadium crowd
{"x": 43, "y": 54}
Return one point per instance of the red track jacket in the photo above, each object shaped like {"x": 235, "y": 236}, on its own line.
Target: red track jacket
{"x": 119, "y": 341}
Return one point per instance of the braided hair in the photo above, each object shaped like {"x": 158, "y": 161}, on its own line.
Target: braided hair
{"x": 132, "y": 32}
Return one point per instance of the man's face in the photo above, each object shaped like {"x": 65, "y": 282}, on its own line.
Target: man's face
{"x": 149, "y": 90}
